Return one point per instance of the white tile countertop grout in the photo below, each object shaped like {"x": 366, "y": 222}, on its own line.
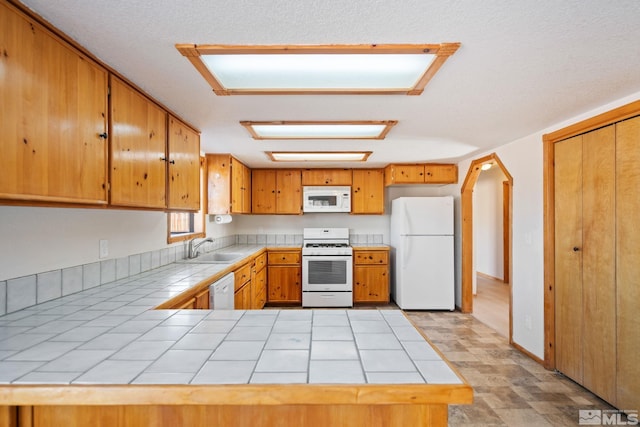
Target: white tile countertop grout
{"x": 111, "y": 335}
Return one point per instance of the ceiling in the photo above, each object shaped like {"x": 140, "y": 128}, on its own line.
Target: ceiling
{"x": 522, "y": 66}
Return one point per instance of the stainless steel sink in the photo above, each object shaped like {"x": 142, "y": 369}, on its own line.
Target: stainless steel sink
{"x": 215, "y": 258}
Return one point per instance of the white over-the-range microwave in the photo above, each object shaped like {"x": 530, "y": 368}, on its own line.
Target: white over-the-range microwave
{"x": 326, "y": 199}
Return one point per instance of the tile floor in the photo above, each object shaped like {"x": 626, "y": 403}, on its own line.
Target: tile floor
{"x": 510, "y": 389}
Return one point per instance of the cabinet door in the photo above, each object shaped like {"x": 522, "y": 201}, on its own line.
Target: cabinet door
{"x": 218, "y": 184}
{"x": 408, "y": 174}
{"x": 263, "y": 191}
{"x": 240, "y": 187}
{"x": 184, "y": 166}
{"x": 289, "y": 192}
{"x": 202, "y": 300}
{"x": 246, "y": 190}
{"x": 627, "y": 265}
{"x": 237, "y": 186}
{"x": 440, "y": 174}
{"x": 138, "y": 145}
{"x": 371, "y": 283}
{"x": 326, "y": 177}
{"x": 284, "y": 284}
{"x": 53, "y": 109}
{"x": 367, "y": 191}
{"x": 258, "y": 289}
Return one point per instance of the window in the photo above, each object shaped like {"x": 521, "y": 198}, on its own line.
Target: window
{"x": 188, "y": 225}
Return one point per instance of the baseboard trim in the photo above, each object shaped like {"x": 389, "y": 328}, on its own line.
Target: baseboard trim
{"x": 488, "y": 276}
{"x": 527, "y": 353}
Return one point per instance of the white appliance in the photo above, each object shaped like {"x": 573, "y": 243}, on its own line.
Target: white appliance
{"x": 221, "y": 293}
{"x": 422, "y": 255}
{"x": 327, "y": 268}
{"x": 326, "y": 199}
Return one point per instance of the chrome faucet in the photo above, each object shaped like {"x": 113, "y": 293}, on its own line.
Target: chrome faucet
{"x": 193, "y": 249}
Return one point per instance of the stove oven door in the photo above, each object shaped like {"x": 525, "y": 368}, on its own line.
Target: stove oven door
{"x": 327, "y": 273}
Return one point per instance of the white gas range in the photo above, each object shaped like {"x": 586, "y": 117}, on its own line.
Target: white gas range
{"x": 327, "y": 268}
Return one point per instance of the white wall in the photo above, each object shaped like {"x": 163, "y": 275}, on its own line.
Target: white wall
{"x": 523, "y": 159}
{"x": 357, "y": 224}
{"x": 487, "y": 223}
{"x": 36, "y": 240}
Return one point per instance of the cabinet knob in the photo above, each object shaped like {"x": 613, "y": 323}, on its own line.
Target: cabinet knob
{"x": 576, "y": 249}
{"x": 102, "y": 135}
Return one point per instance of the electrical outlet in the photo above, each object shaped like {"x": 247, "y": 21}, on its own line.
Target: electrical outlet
{"x": 104, "y": 248}
{"x": 527, "y": 322}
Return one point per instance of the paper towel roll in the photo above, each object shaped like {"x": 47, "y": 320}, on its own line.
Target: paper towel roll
{"x": 222, "y": 219}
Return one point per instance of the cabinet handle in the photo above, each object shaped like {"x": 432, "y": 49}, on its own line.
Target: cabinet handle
{"x": 102, "y": 135}
{"x": 576, "y": 249}
{"x": 164, "y": 159}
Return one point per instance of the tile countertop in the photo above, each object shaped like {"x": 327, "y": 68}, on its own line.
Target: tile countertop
{"x": 111, "y": 335}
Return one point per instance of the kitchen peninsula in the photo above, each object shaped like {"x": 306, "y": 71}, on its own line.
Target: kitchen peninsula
{"x": 103, "y": 357}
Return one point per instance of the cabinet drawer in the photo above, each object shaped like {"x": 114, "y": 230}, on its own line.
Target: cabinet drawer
{"x": 261, "y": 261}
{"x": 371, "y": 257}
{"x": 242, "y": 275}
{"x": 284, "y": 258}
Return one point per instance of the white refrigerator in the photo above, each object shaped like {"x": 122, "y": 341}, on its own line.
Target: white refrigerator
{"x": 422, "y": 255}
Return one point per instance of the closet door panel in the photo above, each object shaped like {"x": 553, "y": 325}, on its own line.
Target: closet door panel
{"x": 568, "y": 257}
{"x": 628, "y": 262}
{"x": 598, "y": 261}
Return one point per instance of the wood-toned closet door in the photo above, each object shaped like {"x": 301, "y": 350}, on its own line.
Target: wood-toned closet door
{"x": 628, "y": 262}
{"x": 599, "y": 261}
{"x": 568, "y": 257}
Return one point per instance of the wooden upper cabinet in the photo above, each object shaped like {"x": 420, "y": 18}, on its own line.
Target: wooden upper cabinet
{"x": 276, "y": 191}
{"x": 53, "y": 116}
{"x": 263, "y": 191}
{"x": 367, "y": 191}
{"x": 184, "y": 166}
{"x": 427, "y": 173}
{"x": 228, "y": 185}
{"x": 326, "y": 177}
{"x": 138, "y": 149}
{"x": 440, "y": 174}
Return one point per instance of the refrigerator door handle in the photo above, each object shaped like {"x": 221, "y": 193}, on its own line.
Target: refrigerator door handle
{"x": 407, "y": 221}
{"x": 405, "y": 252}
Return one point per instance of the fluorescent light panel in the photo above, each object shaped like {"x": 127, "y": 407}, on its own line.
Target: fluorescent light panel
{"x": 319, "y": 129}
{"x": 318, "y": 156}
{"x": 318, "y": 71}
{"x": 323, "y": 69}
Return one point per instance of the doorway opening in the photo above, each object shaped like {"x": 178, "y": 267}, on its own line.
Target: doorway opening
{"x": 469, "y": 273}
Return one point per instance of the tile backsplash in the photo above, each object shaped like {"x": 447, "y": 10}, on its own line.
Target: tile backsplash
{"x": 37, "y": 288}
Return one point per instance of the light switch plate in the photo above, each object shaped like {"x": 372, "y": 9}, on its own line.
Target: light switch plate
{"x": 104, "y": 248}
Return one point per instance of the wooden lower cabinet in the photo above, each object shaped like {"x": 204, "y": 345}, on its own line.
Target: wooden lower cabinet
{"x": 190, "y": 304}
{"x": 371, "y": 276}
{"x": 259, "y": 289}
{"x": 317, "y": 415}
{"x": 284, "y": 280}
{"x": 202, "y": 300}
{"x": 242, "y": 297}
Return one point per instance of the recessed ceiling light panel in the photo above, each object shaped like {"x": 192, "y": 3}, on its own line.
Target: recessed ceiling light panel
{"x": 319, "y": 129}
{"x": 318, "y": 156}
{"x": 359, "y": 69}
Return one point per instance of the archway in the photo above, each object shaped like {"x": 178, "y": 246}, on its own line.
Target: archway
{"x": 467, "y": 230}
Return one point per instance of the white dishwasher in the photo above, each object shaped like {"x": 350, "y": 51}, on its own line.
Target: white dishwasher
{"x": 221, "y": 293}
